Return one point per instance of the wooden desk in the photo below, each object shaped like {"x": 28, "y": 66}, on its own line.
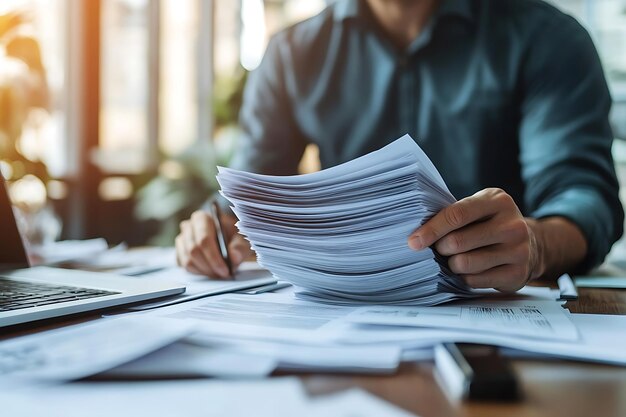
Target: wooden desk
{"x": 551, "y": 388}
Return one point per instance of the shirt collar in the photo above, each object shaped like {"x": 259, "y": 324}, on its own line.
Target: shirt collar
{"x": 351, "y": 9}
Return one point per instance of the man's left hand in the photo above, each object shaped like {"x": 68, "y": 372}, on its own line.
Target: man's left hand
{"x": 488, "y": 241}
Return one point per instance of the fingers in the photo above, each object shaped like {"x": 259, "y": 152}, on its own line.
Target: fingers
{"x": 183, "y": 255}
{"x": 480, "y": 206}
{"x": 481, "y": 260}
{"x": 503, "y": 278}
{"x": 192, "y": 251}
{"x": 482, "y": 234}
{"x": 196, "y": 247}
{"x": 238, "y": 249}
{"x": 205, "y": 243}
{"x": 486, "y": 239}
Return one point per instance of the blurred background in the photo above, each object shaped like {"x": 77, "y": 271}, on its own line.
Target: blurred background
{"x": 114, "y": 113}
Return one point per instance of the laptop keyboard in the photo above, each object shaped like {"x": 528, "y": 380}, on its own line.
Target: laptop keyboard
{"x": 15, "y": 295}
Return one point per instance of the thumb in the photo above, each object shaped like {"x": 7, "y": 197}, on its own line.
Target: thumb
{"x": 239, "y": 249}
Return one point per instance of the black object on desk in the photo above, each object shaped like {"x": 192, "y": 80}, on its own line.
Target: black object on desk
{"x": 476, "y": 372}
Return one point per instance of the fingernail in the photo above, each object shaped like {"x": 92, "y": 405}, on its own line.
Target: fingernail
{"x": 416, "y": 242}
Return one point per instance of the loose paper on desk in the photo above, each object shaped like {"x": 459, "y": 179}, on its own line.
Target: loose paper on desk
{"x": 79, "y": 351}
{"x": 535, "y": 319}
{"x": 380, "y": 359}
{"x": 278, "y": 317}
{"x": 602, "y": 338}
{"x": 68, "y": 250}
{"x": 600, "y": 282}
{"x": 340, "y": 234}
{"x": 277, "y": 397}
{"x": 353, "y": 403}
{"x": 298, "y": 334}
{"x": 249, "y": 275}
{"x": 189, "y": 360}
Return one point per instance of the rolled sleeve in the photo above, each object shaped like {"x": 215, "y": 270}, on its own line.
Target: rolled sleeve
{"x": 587, "y": 209}
{"x": 565, "y": 138}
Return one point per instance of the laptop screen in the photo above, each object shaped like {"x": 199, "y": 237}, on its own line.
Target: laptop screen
{"x": 12, "y": 253}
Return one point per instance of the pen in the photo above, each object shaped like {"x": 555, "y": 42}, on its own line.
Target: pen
{"x": 220, "y": 236}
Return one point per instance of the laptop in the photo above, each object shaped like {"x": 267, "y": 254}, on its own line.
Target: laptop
{"x": 29, "y": 294}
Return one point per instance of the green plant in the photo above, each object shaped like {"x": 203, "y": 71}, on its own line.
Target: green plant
{"x": 227, "y": 98}
{"x": 23, "y": 95}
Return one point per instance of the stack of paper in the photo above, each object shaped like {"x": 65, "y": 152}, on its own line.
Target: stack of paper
{"x": 340, "y": 234}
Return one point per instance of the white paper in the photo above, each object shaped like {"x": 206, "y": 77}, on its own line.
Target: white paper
{"x": 602, "y": 339}
{"x": 79, "y": 351}
{"x": 137, "y": 261}
{"x": 246, "y": 271}
{"x": 187, "y": 360}
{"x": 278, "y": 397}
{"x": 249, "y": 275}
{"x": 600, "y": 282}
{"x": 534, "y": 319}
{"x": 259, "y": 317}
{"x": 545, "y": 293}
{"x": 322, "y": 358}
{"x": 340, "y": 234}
{"x": 295, "y": 333}
{"x": 354, "y": 403}
{"x": 70, "y": 250}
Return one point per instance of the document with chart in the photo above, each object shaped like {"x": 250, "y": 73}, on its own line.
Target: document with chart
{"x": 340, "y": 234}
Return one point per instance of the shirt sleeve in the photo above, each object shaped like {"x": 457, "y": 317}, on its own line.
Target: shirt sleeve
{"x": 565, "y": 138}
{"x": 271, "y": 142}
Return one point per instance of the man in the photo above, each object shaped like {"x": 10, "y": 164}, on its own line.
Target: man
{"x": 507, "y": 97}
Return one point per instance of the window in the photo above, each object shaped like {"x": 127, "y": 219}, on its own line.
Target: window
{"x": 43, "y": 136}
{"x": 606, "y": 22}
{"x": 124, "y": 145}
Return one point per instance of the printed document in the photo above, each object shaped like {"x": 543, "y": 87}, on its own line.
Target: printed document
{"x": 261, "y": 317}
{"x": 534, "y": 319}
{"x": 83, "y": 350}
{"x": 297, "y": 334}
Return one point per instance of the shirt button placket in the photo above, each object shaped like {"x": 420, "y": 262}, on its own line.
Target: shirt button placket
{"x": 407, "y": 96}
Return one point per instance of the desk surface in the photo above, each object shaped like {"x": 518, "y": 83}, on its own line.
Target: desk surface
{"x": 551, "y": 388}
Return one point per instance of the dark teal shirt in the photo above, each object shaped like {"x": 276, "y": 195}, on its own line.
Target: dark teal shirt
{"x": 501, "y": 93}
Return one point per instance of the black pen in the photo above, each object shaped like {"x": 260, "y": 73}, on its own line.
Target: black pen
{"x": 220, "y": 236}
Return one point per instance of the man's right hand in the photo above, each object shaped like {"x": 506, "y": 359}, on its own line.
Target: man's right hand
{"x": 197, "y": 249}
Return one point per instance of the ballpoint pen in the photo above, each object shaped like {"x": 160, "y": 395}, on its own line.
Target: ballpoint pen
{"x": 221, "y": 236}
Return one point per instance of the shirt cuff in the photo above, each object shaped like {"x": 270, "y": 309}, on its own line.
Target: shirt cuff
{"x": 588, "y": 210}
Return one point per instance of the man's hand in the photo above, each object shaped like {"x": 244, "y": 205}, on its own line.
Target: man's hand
{"x": 488, "y": 241}
{"x": 197, "y": 249}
